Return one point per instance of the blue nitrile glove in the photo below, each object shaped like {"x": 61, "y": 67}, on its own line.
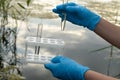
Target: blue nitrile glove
{"x": 78, "y": 15}
{"x": 66, "y": 69}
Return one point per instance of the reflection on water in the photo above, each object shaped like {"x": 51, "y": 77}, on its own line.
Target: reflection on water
{"x": 79, "y": 44}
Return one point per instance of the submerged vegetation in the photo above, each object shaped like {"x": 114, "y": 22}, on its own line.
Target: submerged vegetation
{"x": 111, "y": 12}
{"x": 10, "y": 10}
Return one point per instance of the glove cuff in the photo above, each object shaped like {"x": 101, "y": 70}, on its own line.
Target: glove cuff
{"x": 78, "y": 73}
{"x": 83, "y": 72}
{"x": 93, "y": 23}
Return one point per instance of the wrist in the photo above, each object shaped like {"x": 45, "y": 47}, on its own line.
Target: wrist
{"x": 82, "y": 73}
{"x": 92, "y": 75}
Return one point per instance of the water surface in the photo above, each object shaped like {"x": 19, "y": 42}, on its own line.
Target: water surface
{"x": 79, "y": 42}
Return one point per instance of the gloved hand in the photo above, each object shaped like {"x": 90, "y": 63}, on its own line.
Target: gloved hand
{"x": 78, "y": 15}
{"x": 66, "y": 69}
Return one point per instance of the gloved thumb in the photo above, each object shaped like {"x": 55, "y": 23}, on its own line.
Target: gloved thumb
{"x": 56, "y": 11}
{"x": 56, "y": 59}
{"x": 50, "y": 66}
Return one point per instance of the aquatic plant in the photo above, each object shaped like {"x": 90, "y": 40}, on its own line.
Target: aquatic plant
{"x": 10, "y": 10}
{"x": 110, "y": 15}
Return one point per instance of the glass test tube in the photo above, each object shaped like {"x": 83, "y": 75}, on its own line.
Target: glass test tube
{"x": 63, "y": 22}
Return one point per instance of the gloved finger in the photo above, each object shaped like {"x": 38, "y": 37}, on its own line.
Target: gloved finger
{"x": 57, "y": 11}
{"x": 61, "y": 16}
{"x": 50, "y": 66}
{"x": 63, "y": 58}
{"x": 62, "y": 7}
{"x": 56, "y": 59}
{"x": 70, "y": 4}
{"x": 72, "y": 9}
{"x": 68, "y": 17}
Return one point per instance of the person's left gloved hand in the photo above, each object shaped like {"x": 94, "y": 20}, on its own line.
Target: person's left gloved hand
{"x": 66, "y": 69}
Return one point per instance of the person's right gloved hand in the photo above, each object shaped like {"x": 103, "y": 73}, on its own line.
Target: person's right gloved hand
{"x": 66, "y": 69}
{"x": 78, "y": 15}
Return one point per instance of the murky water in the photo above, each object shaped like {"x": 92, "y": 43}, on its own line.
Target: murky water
{"x": 79, "y": 44}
